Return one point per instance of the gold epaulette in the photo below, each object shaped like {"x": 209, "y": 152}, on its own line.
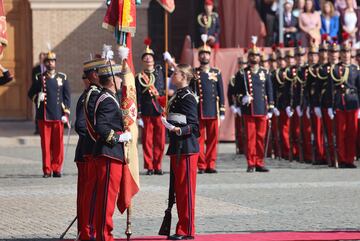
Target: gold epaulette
{"x": 63, "y": 75}
{"x": 232, "y": 81}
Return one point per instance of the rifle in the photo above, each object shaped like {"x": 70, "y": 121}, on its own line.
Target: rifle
{"x": 312, "y": 139}
{"x": 67, "y": 229}
{"x": 326, "y": 142}
{"x": 301, "y": 126}
{"x": 333, "y": 124}
{"x": 278, "y": 137}
{"x": 268, "y": 136}
{"x": 166, "y": 224}
{"x": 290, "y": 124}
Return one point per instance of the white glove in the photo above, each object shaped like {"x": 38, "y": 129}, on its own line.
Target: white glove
{"x": 269, "y": 115}
{"x": 317, "y": 111}
{"x": 140, "y": 123}
{"x": 167, "y": 125}
{"x": 358, "y": 114}
{"x": 123, "y": 52}
{"x": 125, "y": 137}
{"x": 233, "y": 109}
{"x": 238, "y": 111}
{"x": 331, "y": 113}
{"x": 41, "y": 96}
{"x": 289, "y": 112}
{"x": 308, "y": 113}
{"x": 64, "y": 119}
{"x": 167, "y": 57}
{"x": 299, "y": 111}
{"x": 276, "y": 111}
{"x": 222, "y": 117}
{"x": 246, "y": 100}
{"x": 109, "y": 55}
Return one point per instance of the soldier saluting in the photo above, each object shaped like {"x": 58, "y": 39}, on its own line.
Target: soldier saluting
{"x": 51, "y": 93}
{"x": 255, "y": 96}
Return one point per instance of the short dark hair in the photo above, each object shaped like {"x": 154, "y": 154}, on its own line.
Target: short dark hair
{"x": 104, "y": 80}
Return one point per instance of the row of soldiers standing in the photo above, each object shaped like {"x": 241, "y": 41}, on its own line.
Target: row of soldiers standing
{"x": 316, "y": 103}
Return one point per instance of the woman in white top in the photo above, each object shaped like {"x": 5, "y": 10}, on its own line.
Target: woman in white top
{"x": 310, "y": 24}
{"x": 340, "y": 5}
{"x": 349, "y": 20}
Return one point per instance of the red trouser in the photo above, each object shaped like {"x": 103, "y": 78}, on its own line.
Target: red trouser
{"x": 284, "y": 124}
{"x": 358, "y": 140}
{"x": 255, "y": 127}
{"x": 185, "y": 189}
{"x": 346, "y": 133}
{"x": 86, "y": 191}
{"x": 306, "y": 134}
{"x": 153, "y": 142}
{"x": 318, "y": 135}
{"x": 239, "y": 134}
{"x": 274, "y": 142}
{"x": 329, "y": 132}
{"x": 52, "y": 145}
{"x": 108, "y": 174}
{"x": 209, "y": 130}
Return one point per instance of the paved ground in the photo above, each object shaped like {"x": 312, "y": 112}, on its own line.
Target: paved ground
{"x": 292, "y": 196}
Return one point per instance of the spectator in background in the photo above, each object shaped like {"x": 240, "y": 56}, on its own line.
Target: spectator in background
{"x": 209, "y": 23}
{"x": 341, "y": 5}
{"x": 310, "y": 24}
{"x": 300, "y": 4}
{"x": 329, "y": 21}
{"x": 290, "y": 24}
{"x": 349, "y": 21}
{"x": 267, "y": 10}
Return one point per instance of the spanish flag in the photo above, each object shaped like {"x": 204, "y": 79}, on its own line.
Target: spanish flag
{"x": 168, "y": 5}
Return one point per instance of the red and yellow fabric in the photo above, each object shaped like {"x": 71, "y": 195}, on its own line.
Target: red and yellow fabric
{"x": 130, "y": 183}
{"x": 121, "y": 14}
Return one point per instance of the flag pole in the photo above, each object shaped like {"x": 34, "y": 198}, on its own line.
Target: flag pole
{"x": 166, "y": 32}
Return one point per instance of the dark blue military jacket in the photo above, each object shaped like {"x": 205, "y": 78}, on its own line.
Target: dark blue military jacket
{"x": 108, "y": 126}
{"x": 6, "y": 78}
{"x": 231, "y": 91}
{"x": 283, "y": 88}
{"x": 259, "y": 86}
{"x": 80, "y": 128}
{"x": 311, "y": 95}
{"x": 184, "y": 102}
{"x": 57, "y": 100}
{"x": 147, "y": 103}
{"x": 213, "y": 30}
{"x": 300, "y": 98}
{"x": 321, "y": 87}
{"x": 209, "y": 88}
{"x": 91, "y": 96}
{"x": 346, "y": 92}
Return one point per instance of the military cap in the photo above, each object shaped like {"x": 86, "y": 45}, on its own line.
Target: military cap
{"x": 94, "y": 64}
{"x": 254, "y": 50}
{"x": 346, "y": 46}
{"x": 50, "y": 56}
{"x": 334, "y": 47}
{"x": 204, "y": 48}
{"x": 147, "y": 50}
{"x": 290, "y": 53}
{"x": 313, "y": 49}
{"x": 300, "y": 50}
{"x": 107, "y": 70}
{"x": 264, "y": 57}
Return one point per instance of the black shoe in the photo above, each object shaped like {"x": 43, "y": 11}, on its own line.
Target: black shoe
{"x": 36, "y": 132}
{"x": 201, "y": 171}
{"x": 158, "y": 172}
{"x": 211, "y": 171}
{"x": 261, "y": 169}
{"x": 46, "y": 175}
{"x": 56, "y": 174}
{"x": 180, "y": 237}
{"x": 250, "y": 169}
{"x": 150, "y": 172}
{"x": 346, "y": 165}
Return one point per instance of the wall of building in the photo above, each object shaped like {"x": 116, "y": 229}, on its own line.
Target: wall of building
{"x": 73, "y": 28}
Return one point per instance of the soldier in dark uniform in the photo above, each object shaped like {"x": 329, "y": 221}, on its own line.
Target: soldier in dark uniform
{"x": 265, "y": 61}
{"x": 301, "y": 105}
{"x": 51, "y": 93}
{"x": 108, "y": 150}
{"x": 231, "y": 95}
{"x": 312, "y": 96}
{"x": 84, "y": 157}
{"x": 80, "y": 128}
{"x": 255, "y": 96}
{"x": 346, "y": 86}
{"x": 209, "y": 23}
{"x": 209, "y": 88}
{"x": 183, "y": 123}
{"x": 150, "y": 89}
{"x": 6, "y": 78}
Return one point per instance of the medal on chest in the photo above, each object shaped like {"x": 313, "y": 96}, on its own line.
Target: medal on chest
{"x": 212, "y": 76}
{"x": 59, "y": 81}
